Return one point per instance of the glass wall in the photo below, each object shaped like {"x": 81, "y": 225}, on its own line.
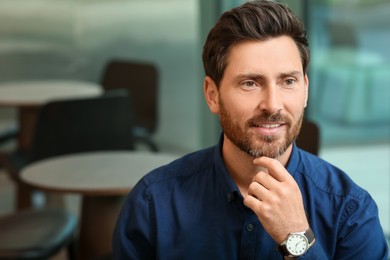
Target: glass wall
{"x": 350, "y": 70}
{"x": 74, "y": 39}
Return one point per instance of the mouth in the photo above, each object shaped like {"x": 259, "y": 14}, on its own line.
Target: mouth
{"x": 273, "y": 125}
{"x": 269, "y": 129}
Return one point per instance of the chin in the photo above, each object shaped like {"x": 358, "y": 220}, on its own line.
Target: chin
{"x": 270, "y": 148}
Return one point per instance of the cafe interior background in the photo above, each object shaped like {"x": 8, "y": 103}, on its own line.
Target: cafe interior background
{"x": 349, "y": 73}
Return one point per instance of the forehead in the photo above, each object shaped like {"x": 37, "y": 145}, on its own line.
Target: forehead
{"x": 271, "y": 55}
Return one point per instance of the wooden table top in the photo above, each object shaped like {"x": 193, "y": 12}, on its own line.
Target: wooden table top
{"x": 93, "y": 173}
{"x": 35, "y": 93}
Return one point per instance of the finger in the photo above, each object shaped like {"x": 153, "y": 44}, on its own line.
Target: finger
{"x": 275, "y": 168}
{"x": 266, "y": 180}
{"x": 252, "y": 203}
{"x": 257, "y": 190}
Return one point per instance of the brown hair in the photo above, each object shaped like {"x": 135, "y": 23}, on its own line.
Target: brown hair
{"x": 255, "y": 20}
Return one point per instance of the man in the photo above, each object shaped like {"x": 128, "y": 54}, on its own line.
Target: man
{"x": 255, "y": 195}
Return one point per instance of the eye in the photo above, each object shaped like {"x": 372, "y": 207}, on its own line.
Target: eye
{"x": 290, "y": 81}
{"x": 249, "y": 84}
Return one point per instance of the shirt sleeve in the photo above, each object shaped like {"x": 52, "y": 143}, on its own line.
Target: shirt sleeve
{"x": 132, "y": 238}
{"x": 361, "y": 235}
{"x": 315, "y": 253}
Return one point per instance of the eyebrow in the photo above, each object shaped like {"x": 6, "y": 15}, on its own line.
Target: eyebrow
{"x": 294, "y": 73}
{"x": 253, "y": 76}
{"x": 256, "y": 76}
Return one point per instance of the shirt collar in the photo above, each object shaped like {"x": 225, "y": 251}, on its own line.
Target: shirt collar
{"x": 293, "y": 161}
{"x": 228, "y": 186}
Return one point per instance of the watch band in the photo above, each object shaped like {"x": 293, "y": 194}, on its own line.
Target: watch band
{"x": 283, "y": 250}
{"x": 309, "y": 234}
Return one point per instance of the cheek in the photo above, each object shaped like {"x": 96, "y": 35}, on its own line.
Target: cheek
{"x": 239, "y": 108}
{"x": 295, "y": 104}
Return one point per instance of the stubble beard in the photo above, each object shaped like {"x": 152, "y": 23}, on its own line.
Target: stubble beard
{"x": 259, "y": 145}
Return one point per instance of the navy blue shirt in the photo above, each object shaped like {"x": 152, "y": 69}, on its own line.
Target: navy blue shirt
{"x": 191, "y": 209}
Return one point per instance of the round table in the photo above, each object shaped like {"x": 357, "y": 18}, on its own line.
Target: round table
{"x": 28, "y": 96}
{"x": 103, "y": 179}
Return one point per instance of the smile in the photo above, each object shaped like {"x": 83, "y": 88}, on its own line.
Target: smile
{"x": 269, "y": 129}
{"x": 270, "y": 125}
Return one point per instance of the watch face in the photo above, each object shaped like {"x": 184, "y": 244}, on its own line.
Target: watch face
{"x": 297, "y": 244}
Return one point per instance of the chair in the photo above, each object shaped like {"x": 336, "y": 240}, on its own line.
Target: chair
{"x": 71, "y": 126}
{"x": 9, "y": 134}
{"x": 141, "y": 81}
{"x": 309, "y": 137}
{"x": 82, "y": 125}
{"x": 37, "y": 234}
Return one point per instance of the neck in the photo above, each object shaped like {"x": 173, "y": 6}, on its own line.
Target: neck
{"x": 240, "y": 164}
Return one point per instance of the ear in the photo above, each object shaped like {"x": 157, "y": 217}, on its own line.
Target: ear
{"x": 306, "y": 89}
{"x": 211, "y": 94}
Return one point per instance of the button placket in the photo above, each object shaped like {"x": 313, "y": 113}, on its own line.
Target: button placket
{"x": 249, "y": 236}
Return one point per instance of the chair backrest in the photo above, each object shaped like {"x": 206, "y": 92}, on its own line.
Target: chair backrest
{"x": 141, "y": 81}
{"x": 81, "y": 125}
{"x": 309, "y": 137}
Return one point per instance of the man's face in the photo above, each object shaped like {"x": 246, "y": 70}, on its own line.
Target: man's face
{"x": 262, "y": 96}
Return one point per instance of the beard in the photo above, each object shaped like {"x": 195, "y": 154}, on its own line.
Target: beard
{"x": 257, "y": 145}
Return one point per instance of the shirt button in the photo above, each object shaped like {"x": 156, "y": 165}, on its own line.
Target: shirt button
{"x": 230, "y": 197}
{"x": 249, "y": 227}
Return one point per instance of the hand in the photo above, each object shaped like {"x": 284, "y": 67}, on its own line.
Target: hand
{"x": 276, "y": 199}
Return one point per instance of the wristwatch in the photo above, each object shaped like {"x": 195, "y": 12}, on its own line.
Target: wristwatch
{"x": 297, "y": 243}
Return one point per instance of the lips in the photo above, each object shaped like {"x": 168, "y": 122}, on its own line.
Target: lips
{"x": 269, "y": 129}
{"x": 269, "y": 125}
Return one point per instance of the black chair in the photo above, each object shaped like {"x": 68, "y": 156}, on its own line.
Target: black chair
{"x": 141, "y": 81}
{"x": 63, "y": 127}
{"x": 309, "y": 137}
{"x": 82, "y": 125}
{"x": 72, "y": 126}
{"x": 9, "y": 134}
{"x": 37, "y": 234}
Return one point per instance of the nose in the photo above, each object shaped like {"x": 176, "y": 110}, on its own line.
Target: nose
{"x": 271, "y": 100}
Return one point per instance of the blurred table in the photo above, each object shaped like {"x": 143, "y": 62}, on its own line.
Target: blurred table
{"x": 28, "y": 96}
{"x": 103, "y": 179}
